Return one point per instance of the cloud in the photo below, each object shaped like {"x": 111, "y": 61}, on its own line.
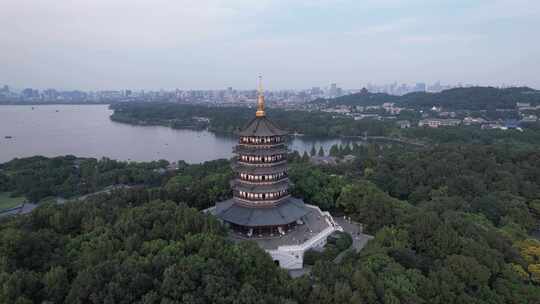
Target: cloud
{"x": 394, "y": 26}
{"x": 504, "y": 10}
{"x": 119, "y": 23}
{"x": 207, "y": 43}
{"x": 439, "y": 38}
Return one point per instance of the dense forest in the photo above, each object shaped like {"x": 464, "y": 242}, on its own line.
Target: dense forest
{"x": 525, "y": 139}
{"x": 67, "y": 176}
{"x": 185, "y": 116}
{"x": 473, "y": 98}
{"x": 451, "y": 222}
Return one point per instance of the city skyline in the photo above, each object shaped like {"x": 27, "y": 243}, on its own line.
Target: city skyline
{"x": 412, "y": 86}
{"x": 209, "y": 44}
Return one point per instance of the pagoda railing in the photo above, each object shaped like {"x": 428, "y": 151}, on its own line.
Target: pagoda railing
{"x": 310, "y": 243}
{"x": 249, "y": 150}
{"x": 260, "y": 202}
{"x": 261, "y": 182}
{"x": 284, "y": 161}
{"x": 265, "y": 145}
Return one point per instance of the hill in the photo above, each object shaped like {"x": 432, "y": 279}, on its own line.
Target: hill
{"x": 473, "y": 98}
{"x": 364, "y": 98}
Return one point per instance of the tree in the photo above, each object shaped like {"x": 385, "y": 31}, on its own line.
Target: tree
{"x": 313, "y": 152}
{"x": 370, "y": 206}
{"x": 305, "y": 157}
{"x": 56, "y": 282}
{"x": 346, "y": 150}
{"x": 334, "y": 150}
{"x": 468, "y": 270}
{"x": 530, "y": 251}
{"x": 321, "y": 151}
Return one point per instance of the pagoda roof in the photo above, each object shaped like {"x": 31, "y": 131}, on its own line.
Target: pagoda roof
{"x": 288, "y": 211}
{"x": 261, "y": 126}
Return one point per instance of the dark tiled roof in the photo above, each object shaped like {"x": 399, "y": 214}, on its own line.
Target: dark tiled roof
{"x": 289, "y": 211}
{"x": 261, "y": 126}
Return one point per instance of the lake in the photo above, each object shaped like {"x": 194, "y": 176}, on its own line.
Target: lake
{"x": 87, "y": 131}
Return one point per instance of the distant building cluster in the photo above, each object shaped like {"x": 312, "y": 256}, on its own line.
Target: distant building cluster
{"x": 402, "y": 89}
{"x": 228, "y": 96}
{"x": 438, "y": 122}
{"x": 387, "y": 110}
{"x": 524, "y": 111}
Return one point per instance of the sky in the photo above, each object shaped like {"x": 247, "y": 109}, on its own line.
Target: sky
{"x": 294, "y": 44}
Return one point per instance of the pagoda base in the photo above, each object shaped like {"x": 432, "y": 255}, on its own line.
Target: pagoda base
{"x": 262, "y": 231}
{"x": 267, "y": 221}
{"x": 286, "y": 243}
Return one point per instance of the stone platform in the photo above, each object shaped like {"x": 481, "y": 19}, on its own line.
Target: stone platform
{"x": 288, "y": 250}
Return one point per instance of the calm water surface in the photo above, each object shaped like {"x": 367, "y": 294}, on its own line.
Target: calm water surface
{"x": 87, "y": 131}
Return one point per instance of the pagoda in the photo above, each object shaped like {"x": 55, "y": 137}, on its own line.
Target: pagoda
{"x": 261, "y": 205}
{"x": 262, "y": 209}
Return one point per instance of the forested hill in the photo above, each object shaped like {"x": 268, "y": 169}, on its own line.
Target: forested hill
{"x": 363, "y": 98}
{"x": 474, "y": 98}
{"x": 451, "y": 225}
{"x": 230, "y": 119}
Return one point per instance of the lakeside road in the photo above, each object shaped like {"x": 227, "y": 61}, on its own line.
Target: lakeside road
{"x": 27, "y": 207}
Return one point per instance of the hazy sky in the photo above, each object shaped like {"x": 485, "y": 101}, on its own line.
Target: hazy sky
{"x": 152, "y": 44}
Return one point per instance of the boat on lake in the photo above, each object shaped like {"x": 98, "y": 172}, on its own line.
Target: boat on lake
{"x": 8, "y": 137}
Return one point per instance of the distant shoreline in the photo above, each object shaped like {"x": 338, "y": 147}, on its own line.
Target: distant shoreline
{"x": 3, "y": 103}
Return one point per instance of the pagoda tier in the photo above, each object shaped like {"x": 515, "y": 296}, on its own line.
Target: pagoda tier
{"x": 265, "y": 178}
{"x": 240, "y": 168}
{"x": 261, "y": 188}
{"x": 258, "y": 150}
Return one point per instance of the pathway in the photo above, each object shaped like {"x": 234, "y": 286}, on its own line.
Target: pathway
{"x": 355, "y": 230}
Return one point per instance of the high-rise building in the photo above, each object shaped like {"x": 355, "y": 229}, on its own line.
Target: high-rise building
{"x": 30, "y": 93}
{"x": 333, "y": 90}
{"x": 420, "y": 87}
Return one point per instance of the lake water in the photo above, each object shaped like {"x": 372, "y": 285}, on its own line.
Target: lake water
{"x": 87, "y": 131}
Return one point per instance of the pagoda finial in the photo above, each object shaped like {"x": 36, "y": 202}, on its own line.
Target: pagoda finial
{"x": 260, "y": 100}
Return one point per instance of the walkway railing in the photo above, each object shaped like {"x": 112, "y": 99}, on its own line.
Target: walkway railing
{"x": 332, "y": 227}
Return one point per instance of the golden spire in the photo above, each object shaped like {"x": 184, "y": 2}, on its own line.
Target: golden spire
{"x": 260, "y": 100}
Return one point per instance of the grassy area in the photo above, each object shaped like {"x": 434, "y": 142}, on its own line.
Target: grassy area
{"x": 7, "y": 202}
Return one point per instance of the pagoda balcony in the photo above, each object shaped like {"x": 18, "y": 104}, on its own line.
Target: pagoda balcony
{"x": 241, "y": 185}
{"x": 262, "y": 178}
{"x": 257, "y": 140}
{"x": 258, "y": 144}
{"x": 262, "y": 164}
{"x": 240, "y": 168}
{"x": 261, "y": 182}
{"x": 261, "y": 151}
{"x": 260, "y": 202}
